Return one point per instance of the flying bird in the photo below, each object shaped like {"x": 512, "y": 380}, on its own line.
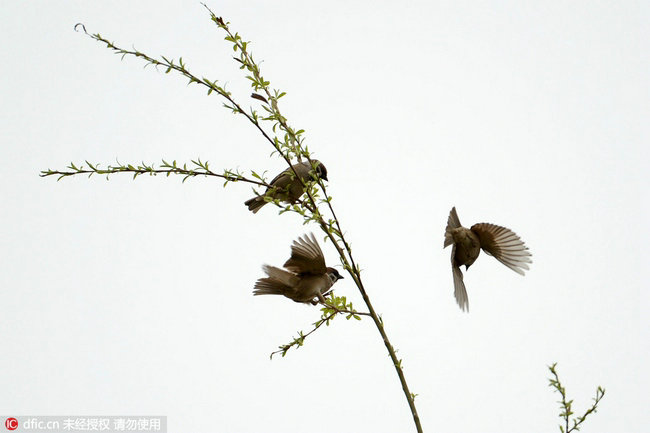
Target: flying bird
{"x": 501, "y": 243}
{"x": 287, "y": 187}
{"x": 305, "y": 279}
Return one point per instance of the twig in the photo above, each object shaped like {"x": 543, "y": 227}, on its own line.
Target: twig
{"x": 566, "y": 405}
{"x": 301, "y": 337}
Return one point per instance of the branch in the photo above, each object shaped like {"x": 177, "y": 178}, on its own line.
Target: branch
{"x": 566, "y": 405}
{"x": 170, "y": 65}
{"x": 600, "y": 393}
{"x": 288, "y": 147}
{"x": 200, "y": 169}
{"x": 292, "y": 139}
{"x": 337, "y": 305}
{"x": 285, "y": 148}
{"x": 292, "y": 144}
{"x": 301, "y": 337}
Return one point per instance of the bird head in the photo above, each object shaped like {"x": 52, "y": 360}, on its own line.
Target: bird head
{"x": 334, "y": 275}
{"x": 321, "y": 171}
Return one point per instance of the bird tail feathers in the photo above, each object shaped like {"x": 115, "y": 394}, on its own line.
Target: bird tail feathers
{"x": 254, "y": 204}
{"x": 278, "y": 282}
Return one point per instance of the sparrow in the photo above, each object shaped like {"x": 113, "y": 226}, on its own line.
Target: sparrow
{"x": 306, "y": 277}
{"x": 287, "y": 187}
{"x": 501, "y": 243}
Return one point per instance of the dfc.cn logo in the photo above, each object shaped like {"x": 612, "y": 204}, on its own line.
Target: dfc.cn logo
{"x": 11, "y": 423}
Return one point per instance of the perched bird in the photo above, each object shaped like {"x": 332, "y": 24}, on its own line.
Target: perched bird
{"x": 501, "y": 243}
{"x": 287, "y": 187}
{"x": 306, "y": 277}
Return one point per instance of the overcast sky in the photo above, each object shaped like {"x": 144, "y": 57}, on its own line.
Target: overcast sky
{"x": 127, "y": 297}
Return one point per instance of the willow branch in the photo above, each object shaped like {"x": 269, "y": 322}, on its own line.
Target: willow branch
{"x": 301, "y": 337}
{"x": 566, "y": 409}
{"x": 290, "y": 146}
{"x": 201, "y": 169}
{"x": 345, "y": 253}
{"x": 170, "y": 65}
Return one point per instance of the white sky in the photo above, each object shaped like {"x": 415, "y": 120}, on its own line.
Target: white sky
{"x": 134, "y": 297}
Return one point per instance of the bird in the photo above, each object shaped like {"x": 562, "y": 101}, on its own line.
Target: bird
{"x": 501, "y": 243}
{"x": 286, "y": 186}
{"x": 305, "y": 276}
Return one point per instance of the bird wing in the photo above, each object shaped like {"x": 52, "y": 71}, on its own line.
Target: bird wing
{"x": 287, "y": 177}
{"x": 306, "y": 256}
{"x": 282, "y": 180}
{"x": 452, "y": 223}
{"x": 286, "y": 182}
{"x": 459, "y": 286}
{"x": 504, "y": 245}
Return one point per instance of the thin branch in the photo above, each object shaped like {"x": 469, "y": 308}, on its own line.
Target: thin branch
{"x": 140, "y": 169}
{"x": 336, "y": 305}
{"x": 301, "y": 337}
{"x": 169, "y": 65}
{"x": 566, "y": 405}
{"x": 600, "y": 393}
{"x": 355, "y": 273}
{"x": 294, "y": 141}
{"x": 290, "y": 146}
{"x": 259, "y": 83}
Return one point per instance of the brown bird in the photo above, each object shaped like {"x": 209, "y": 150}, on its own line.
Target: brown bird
{"x": 501, "y": 243}
{"x": 306, "y": 277}
{"x": 287, "y": 187}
